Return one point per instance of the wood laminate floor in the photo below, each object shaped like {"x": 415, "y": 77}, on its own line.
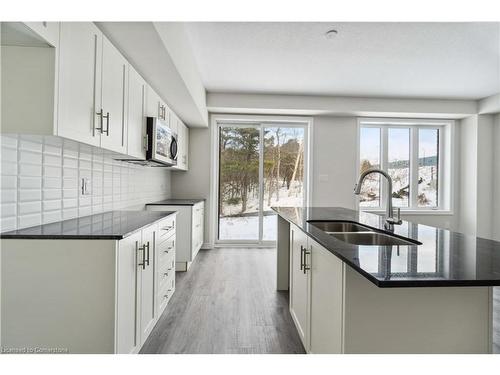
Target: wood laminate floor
{"x": 496, "y": 320}
{"x": 227, "y": 303}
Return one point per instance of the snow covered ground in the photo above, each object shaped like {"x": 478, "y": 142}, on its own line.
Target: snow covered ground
{"x": 370, "y": 189}
{"x": 235, "y": 225}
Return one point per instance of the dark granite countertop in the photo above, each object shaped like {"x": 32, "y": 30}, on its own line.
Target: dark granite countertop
{"x": 444, "y": 258}
{"x": 176, "y": 202}
{"x": 111, "y": 225}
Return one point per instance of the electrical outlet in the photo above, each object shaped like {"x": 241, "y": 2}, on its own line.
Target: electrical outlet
{"x": 85, "y": 187}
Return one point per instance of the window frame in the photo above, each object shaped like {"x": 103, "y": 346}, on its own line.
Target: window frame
{"x": 445, "y": 158}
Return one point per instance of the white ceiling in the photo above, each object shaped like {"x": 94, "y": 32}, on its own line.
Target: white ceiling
{"x": 411, "y": 60}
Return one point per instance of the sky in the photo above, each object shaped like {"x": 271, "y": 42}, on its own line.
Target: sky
{"x": 398, "y": 143}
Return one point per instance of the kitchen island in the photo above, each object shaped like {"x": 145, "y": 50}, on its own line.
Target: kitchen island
{"x": 431, "y": 293}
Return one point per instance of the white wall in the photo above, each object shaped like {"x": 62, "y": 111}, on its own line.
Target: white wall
{"x": 496, "y": 178}
{"x": 476, "y": 213}
{"x": 195, "y": 183}
{"x": 334, "y": 146}
{"x": 41, "y": 181}
{"x": 468, "y": 177}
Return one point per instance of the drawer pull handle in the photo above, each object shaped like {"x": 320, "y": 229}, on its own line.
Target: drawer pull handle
{"x": 167, "y": 228}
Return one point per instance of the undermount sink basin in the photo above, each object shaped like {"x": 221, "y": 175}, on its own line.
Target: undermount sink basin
{"x": 373, "y": 239}
{"x": 358, "y": 234}
{"x": 338, "y": 226}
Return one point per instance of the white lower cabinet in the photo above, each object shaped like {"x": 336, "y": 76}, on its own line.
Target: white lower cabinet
{"x": 299, "y": 284}
{"x": 189, "y": 231}
{"x": 316, "y": 287}
{"x": 109, "y": 302}
{"x": 325, "y": 301}
{"x": 336, "y": 310}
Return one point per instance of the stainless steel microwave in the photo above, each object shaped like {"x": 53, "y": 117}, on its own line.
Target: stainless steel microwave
{"x": 162, "y": 142}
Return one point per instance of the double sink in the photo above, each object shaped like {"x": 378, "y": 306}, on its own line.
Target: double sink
{"x": 358, "y": 234}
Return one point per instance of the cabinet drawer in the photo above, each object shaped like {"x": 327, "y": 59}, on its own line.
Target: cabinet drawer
{"x": 166, "y": 291}
{"x": 166, "y": 249}
{"x": 166, "y": 228}
{"x": 166, "y": 272}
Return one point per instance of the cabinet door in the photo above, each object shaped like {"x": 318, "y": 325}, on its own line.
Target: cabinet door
{"x": 136, "y": 120}
{"x": 128, "y": 257}
{"x": 114, "y": 98}
{"x": 299, "y": 285}
{"x": 326, "y": 301}
{"x": 148, "y": 281}
{"x": 152, "y": 103}
{"x": 80, "y": 53}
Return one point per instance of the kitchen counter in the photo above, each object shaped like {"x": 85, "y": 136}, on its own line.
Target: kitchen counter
{"x": 111, "y": 225}
{"x": 444, "y": 259}
{"x": 176, "y": 202}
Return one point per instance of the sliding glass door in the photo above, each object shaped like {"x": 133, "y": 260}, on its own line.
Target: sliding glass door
{"x": 260, "y": 165}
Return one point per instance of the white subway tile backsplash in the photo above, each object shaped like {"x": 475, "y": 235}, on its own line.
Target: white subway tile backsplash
{"x": 70, "y": 193}
{"x": 30, "y": 195}
{"x": 30, "y": 157}
{"x": 70, "y": 162}
{"x": 51, "y": 216}
{"x": 49, "y": 194}
{"x": 52, "y": 160}
{"x": 28, "y": 144}
{"x": 30, "y": 169}
{"x": 8, "y": 196}
{"x": 29, "y": 220}
{"x": 69, "y": 213}
{"x": 8, "y": 209}
{"x": 30, "y": 183}
{"x": 52, "y": 205}
{"x": 9, "y": 168}
{"x": 70, "y": 172}
{"x": 8, "y": 223}
{"x": 9, "y": 182}
{"x": 40, "y": 181}
{"x": 51, "y": 183}
{"x": 29, "y": 207}
{"x": 9, "y": 154}
{"x": 70, "y": 203}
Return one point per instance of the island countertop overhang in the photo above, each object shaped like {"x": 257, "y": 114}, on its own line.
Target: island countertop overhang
{"x": 445, "y": 258}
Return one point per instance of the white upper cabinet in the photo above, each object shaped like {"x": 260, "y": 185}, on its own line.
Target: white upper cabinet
{"x": 136, "y": 120}
{"x": 47, "y": 30}
{"x": 153, "y": 106}
{"x": 72, "y": 82}
{"x": 114, "y": 95}
{"x": 183, "y": 143}
{"x": 80, "y": 57}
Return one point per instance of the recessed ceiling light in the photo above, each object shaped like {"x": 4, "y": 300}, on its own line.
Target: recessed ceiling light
{"x": 331, "y": 34}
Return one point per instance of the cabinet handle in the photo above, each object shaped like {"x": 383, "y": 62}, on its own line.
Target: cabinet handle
{"x": 101, "y": 122}
{"x": 147, "y": 246}
{"x": 143, "y": 249}
{"x": 301, "y": 257}
{"x": 306, "y": 268}
{"x": 107, "y": 124}
{"x": 167, "y": 228}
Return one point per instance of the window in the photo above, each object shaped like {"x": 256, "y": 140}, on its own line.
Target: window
{"x": 411, "y": 153}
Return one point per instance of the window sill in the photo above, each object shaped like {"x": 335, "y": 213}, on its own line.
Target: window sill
{"x": 411, "y": 212}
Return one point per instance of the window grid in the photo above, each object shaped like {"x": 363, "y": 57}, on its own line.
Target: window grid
{"x": 413, "y": 161}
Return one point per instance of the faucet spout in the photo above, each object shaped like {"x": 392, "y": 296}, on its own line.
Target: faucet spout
{"x": 389, "y": 214}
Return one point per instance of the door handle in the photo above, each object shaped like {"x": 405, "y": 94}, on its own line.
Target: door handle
{"x": 301, "y": 257}
{"x": 306, "y": 268}
{"x": 101, "y": 122}
{"x": 147, "y": 260}
{"x": 143, "y": 249}
{"x": 107, "y": 123}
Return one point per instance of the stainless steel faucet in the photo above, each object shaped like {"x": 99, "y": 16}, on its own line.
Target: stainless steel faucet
{"x": 390, "y": 220}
